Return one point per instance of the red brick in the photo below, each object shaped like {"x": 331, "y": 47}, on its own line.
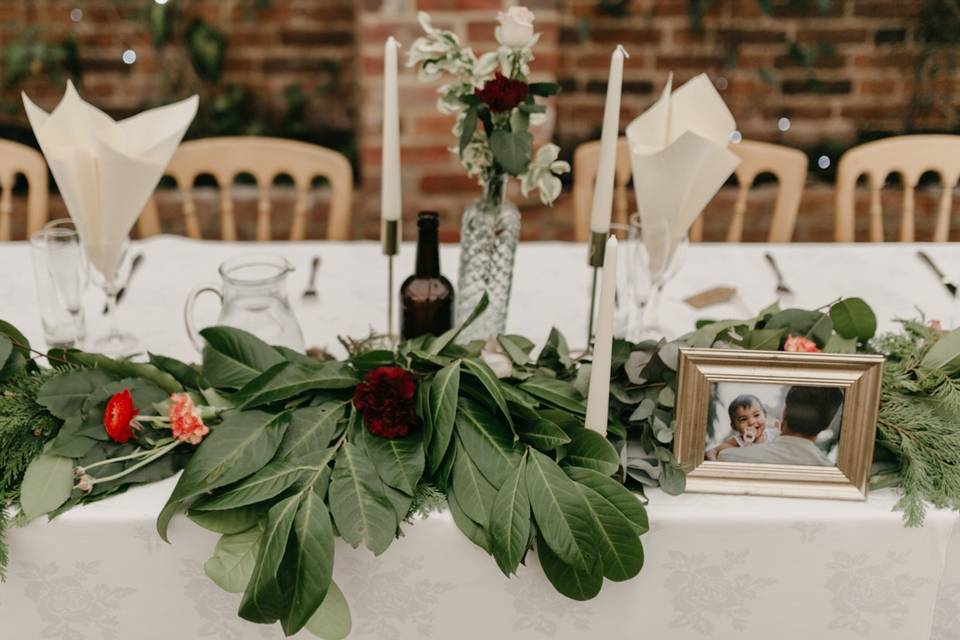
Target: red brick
{"x": 447, "y": 182}
{"x": 836, "y": 36}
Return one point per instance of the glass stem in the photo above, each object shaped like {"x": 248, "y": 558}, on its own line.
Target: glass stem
{"x": 77, "y": 328}
{"x": 652, "y": 309}
{"x": 112, "y": 291}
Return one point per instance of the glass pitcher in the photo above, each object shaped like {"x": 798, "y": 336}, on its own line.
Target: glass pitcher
{"x": 253, "y": 298}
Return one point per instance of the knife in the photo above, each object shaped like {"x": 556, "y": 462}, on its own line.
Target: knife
{"x": 949, "y": 284}
{"x": 134, "y": 264}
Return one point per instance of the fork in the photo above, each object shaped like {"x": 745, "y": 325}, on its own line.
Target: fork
{"x": 782, "y": 288}
{"x": 311, "y": 291}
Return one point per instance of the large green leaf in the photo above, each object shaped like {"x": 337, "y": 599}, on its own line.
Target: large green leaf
{"x": 47, "y": 484}
{"x": 485, "y": 375}
{"x": 311, "y": 429}
{"x": 233, "y": 357}
{"x": 475, "y": 494}
{"x": 64, "y": 394}
{"x": 617, "y": 495}
{"x": 473, "y": 531}
{"x": 802, "y": 322}
{"x": 555, "y": 392}
{"x": 241, "y": 445}
{"x": 765, "y": 339}
{"x": 308, "y": 569}
{"x": 853, "y": 318}
{"x": 183, "y": 373}
{"x": 512, "y": 151}
{"x": 578, "y": 584}
{"x": 487, "y": 441}
{"x": 444, "y": 392}
{"x": 332, "y": 619}
{"x": 621, "y": 553}
{"x": 944, "y": 354}
{"x": 510, "y": 522}
{"x": 6, "y": 348}
{"x": 268, "y": 482}
{"x": 561, "y": 511}
{"x": 124, "y": 369}
{"x": 289, "y": 379}
{"x": 229, "y": 521}
{"x": 399, "y": 461}
{"x": 362, "y": 512}
{"x": 590, "y": 450}
{"x": 234, "y": 559}
{"x": 444, "y": 340}
{"x": 542, "y": 434}
{"x": 263, "y": 601}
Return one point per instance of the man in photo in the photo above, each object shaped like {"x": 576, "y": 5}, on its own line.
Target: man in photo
{"x": 806, "y": 412}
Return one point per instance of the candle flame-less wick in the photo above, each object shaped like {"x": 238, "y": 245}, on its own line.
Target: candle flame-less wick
{"x": 393, "y": 41}
{"x": 622, "y": 50}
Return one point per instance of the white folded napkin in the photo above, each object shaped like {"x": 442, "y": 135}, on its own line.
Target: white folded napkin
{"x": 678, "y": 148}
{"x": 106, "y": 170}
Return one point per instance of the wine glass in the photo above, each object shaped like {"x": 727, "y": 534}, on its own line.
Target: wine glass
{"x": 660, "y": 266}
{"x": 110, "y": 260}
{"x": 68, "y": 270}
{"x": 633, "y": 285}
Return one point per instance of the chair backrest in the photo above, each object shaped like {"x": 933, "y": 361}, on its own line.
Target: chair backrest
{"x": 790, "y": 168}
{"x": 264, "y": 159}
{"x": 788, "y": 165}
{"x": 586, "y": 158}
{"x": 18, "y": 158}
{"x": 911, "y": 157}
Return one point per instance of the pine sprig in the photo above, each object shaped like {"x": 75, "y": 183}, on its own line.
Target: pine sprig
{"x": 25, "y": 427}
{"x": 917, "y": 422}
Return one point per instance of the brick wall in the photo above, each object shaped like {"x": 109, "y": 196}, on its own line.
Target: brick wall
{"x": 833, "y": 73}
{"x": 303, "y": 43}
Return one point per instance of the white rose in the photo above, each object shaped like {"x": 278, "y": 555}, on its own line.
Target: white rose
{"x": 516, "y": 27}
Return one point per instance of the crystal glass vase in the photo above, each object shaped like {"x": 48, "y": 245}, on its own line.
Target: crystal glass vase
{"x": 489, "y": 233}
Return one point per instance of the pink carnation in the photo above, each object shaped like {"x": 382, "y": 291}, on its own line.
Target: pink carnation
{"x": 185, "y": 419}
{"x": 800, "y": 344}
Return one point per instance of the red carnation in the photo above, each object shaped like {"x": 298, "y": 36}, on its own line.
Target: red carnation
{"x": 502, "y": 93}
{"x": 118, "y": 418}
{"x": 385, "y": 398}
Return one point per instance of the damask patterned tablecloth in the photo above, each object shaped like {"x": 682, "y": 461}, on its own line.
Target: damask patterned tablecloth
{"x": 716, "y": 566}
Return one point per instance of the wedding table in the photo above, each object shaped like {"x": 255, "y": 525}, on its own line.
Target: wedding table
{"x": 716, "y": 566}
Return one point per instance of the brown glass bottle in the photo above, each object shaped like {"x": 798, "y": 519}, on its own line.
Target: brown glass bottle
{"x": 426, "y": 297}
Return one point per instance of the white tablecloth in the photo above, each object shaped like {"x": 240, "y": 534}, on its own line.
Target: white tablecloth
{"x": 716, "y": 566}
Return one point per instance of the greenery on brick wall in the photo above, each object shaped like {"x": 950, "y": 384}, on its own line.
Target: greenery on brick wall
{"x": 191, "y": 53}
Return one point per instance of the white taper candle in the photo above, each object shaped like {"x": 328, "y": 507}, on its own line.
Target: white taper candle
{"x": 598, "y": 396}
{"x": 603, "y": 188}
{"x": 390, "y": 201}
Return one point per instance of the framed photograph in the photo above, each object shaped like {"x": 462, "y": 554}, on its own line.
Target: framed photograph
{"x": 777, "y": 424}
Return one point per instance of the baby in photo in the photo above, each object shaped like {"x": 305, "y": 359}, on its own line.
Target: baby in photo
{"x": 748, "y": 420}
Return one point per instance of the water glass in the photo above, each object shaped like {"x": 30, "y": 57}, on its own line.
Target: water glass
{"x": 60, "y": 273}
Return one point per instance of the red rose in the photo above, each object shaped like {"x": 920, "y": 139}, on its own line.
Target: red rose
{"x": 801, "y": 344}
{"x": 118, "y": 417}
{"x": 385, "y": 398}
{"x": 502, "y": 93}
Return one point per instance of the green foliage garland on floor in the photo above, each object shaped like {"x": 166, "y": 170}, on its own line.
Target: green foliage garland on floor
{"x": 295, "y": 458}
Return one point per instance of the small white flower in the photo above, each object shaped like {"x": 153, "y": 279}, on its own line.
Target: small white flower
{"x": 516, "y": 27}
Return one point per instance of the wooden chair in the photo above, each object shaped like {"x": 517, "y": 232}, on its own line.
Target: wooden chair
{"x": 788, "y": 165}
{"x": 18, "y": 158}
{"x": 790, "y": 168}
{"x": 264, "y": 159}
{"x": 911, "y": 157}
{"x": 586, "y": 158}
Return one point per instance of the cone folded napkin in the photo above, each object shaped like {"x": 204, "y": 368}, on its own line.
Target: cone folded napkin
{"x": 678, "y": 148}
{"x": 106, "y": 170}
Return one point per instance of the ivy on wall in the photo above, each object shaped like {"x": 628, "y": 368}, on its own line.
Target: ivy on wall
{"x": 191, "y": 53}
